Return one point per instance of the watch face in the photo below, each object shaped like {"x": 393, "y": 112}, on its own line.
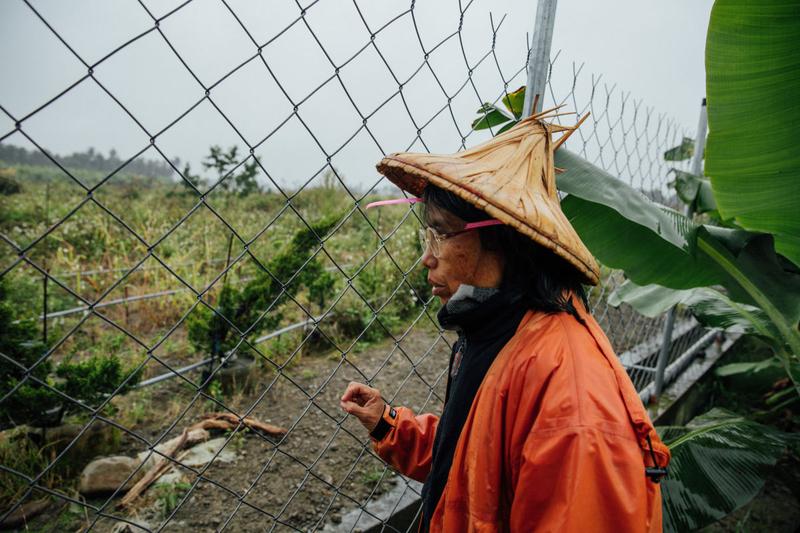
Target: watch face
{"x": 392, "y": 413}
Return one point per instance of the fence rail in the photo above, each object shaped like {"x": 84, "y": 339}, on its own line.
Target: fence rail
{"x": 372, "y": 321}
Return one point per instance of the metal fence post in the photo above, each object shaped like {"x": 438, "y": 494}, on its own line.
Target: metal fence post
{"x": 539, "y": 57}
{"x": 697, "y": 170}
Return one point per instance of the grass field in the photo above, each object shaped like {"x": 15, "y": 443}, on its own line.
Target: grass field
{"x": 155, "y": 260}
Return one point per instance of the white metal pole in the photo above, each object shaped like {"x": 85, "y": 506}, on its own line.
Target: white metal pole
{"x": 539, "y": 59}
{"x": 697, "y": 170}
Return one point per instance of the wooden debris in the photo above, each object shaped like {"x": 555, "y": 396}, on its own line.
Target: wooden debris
{"x": 227, "y": 421}
{"x": 159, "y": 468}
{"x": 193, "y": 435}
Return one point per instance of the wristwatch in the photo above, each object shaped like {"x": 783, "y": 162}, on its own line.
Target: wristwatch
{"x": 386, "y": 422}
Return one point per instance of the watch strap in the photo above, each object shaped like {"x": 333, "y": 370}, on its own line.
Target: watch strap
{"x": 385, "y": 424}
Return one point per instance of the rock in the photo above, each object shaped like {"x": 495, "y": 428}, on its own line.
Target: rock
{"x": 202, "y": 454}
{"x": 24, "y": 513}
{"x": 107, "y": 474}
{"x": 172, "y": 477}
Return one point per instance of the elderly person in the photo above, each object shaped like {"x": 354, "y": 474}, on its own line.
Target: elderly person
{"x": 542, "y": 430}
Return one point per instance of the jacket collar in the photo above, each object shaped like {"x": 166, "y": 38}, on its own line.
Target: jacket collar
{"x": 481, "y": 313}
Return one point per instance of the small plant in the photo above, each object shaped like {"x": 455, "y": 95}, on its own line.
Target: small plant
{"x": 214, "y": 391}
{"x": 210, "y": 332}
{"x": 372, "y": 476}
{"x": 168, "y": 495}
{"x": 39, "y": 391}
{"x": 9, "y": 185}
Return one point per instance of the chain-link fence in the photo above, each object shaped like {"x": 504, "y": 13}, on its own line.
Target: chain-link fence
{"x": 175, "y": 349}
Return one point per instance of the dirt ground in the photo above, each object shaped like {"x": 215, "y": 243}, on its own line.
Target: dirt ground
{"x": 321, "y": 469}
{"x": 308, "y": 480}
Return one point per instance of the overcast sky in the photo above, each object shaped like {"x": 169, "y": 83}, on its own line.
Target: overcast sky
{"x": 652, "y": 51}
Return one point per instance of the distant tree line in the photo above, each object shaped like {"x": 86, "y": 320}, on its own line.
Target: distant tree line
{"x": 88, "y": 160}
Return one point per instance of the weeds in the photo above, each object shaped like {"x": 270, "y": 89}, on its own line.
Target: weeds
{"x": 168, "y": 495}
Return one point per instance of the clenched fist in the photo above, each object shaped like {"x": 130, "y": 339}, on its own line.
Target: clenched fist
{"x": 363, "y": 402}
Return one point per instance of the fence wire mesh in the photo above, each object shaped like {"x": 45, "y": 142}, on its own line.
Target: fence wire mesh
{"x": 156, "y": 305}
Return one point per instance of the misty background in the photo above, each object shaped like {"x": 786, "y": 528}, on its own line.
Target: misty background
{"x": 647, "y": 54}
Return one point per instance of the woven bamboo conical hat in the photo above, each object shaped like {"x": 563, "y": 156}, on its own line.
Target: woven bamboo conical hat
{"x": 511, "y": 177}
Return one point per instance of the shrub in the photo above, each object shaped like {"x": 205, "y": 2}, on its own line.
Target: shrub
{"x": 209, "y": 332}
{"x": 37, "y": 390}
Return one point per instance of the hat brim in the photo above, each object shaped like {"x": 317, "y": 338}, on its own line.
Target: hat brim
{"x": 414, "y": 179}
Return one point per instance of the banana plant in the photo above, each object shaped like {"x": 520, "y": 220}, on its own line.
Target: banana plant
{"x": 719, "y": 463}
{"x": 752, "y": 168}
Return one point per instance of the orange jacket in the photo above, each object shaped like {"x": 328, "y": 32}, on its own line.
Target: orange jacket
{"x": 555, "y": 440}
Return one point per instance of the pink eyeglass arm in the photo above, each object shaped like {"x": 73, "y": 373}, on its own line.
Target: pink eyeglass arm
{"x": 393, "y": 202}
{"x": 471, "y": 225}
{"x": 483, "y": 224}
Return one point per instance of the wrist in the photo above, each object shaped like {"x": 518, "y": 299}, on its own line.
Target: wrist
{"x": 385, "y": 423}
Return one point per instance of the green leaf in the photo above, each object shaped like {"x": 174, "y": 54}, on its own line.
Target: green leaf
{"x": 752, "y": 83}
{"x": 711, "y": 307}
{"x": 735, "y": 369}
{"x": 653, "y": 244}
{"x": 515, "y": 101}
{"x": 609, "y": 216}
{"x": 489, "y": 120}
{"x": 507, "y": 127}
{"x": 719, "y": 463}
{"x": 694, "y": 191}
{"x": 756, "y": 276}
{"x": 681, "y": 152}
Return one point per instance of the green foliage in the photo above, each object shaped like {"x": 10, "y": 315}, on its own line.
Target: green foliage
{"x": 712, "y": 308}
{"x": 491, "y": 115}
{"x": 373, "y": 475}
{"x": 17, "y": 343}
{"x": 36, "y": 399}
{"x": 682, "y": 152}
{"x": 242, "y": 181}
{"x": 9, "y": 185}
{"x": 695, "y": 192}
{"x": 752, "y": 82}
{"x": 168, "y": 495}
{"x": 21, "y": 454}
{"x": 719, "y": 463}
{"x": 210, "y": 331}
{"x": 94, "y": 378}
{"x": 675, "y": 252}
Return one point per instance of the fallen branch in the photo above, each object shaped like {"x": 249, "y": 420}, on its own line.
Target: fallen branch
{"x": 192, "y": 435}
{"x": 227, "y": 421}
{"x": 159, "y": 468}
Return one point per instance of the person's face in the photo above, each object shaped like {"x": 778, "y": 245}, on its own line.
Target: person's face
{"x": 461, "y": 259}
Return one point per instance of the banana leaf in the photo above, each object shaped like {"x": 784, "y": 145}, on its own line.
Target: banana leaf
{"x": 657, "y": 245}
{"x": 756, "y": 276}
{"x": 682, "y": 152}
{"x": 626, "y": 230}
{"x": 711, "y": 307}
{"x": 752, "y": 367}
{"x": 719, "y": 463}
{"x": 490, "y": 116}
{"x": 752, "y": 85}
{"x": 694, "y": 191}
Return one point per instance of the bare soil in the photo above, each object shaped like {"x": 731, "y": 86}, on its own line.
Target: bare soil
{"x": 321, "y": 469}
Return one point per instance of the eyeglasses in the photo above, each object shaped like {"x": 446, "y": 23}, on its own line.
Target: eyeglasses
{"x": 429, "y": 237}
